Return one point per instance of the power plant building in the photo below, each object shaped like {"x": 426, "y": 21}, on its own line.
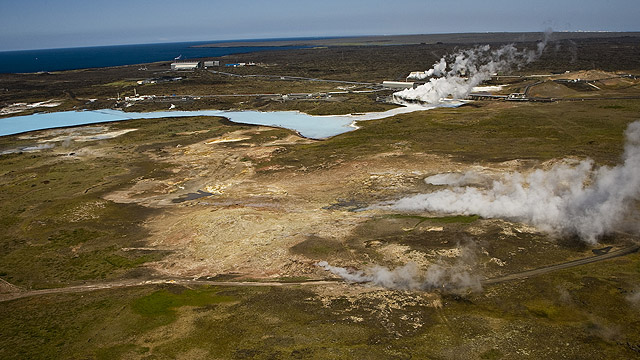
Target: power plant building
{"x": 397, "y": 85}
{"x": 186, "y": 65}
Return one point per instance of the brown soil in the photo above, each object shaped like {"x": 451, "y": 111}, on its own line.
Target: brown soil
{"x": 256, "y": 215}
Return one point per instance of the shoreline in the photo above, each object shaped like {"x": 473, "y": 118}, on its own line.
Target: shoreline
{"x": 417, "y": 39}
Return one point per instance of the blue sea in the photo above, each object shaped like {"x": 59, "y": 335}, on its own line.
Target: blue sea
{"x": 29, "y": 61}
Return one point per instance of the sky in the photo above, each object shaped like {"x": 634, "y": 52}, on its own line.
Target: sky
{"x": 41, "y": 24}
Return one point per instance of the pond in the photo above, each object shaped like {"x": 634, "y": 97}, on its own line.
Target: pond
{"x": 310, "y": 126}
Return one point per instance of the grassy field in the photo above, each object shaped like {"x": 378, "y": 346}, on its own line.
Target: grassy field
{"x": 62, "y": 232}
{"x": 577, "y": 313}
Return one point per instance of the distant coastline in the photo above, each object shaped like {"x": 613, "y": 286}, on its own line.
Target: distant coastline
{"x": 48, "y": 60}
{"x": 454, "y": 38}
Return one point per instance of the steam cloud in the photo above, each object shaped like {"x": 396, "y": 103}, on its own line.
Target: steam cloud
{"x": 467, "y": 69}
{"x": 566, "y": 200}
{"x": 456, "y": 278}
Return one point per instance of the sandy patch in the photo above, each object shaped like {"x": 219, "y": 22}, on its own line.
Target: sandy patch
{"x": 251, "y": 219}
{"x": 20, "y": 107}
{"x": 103, "y": 135}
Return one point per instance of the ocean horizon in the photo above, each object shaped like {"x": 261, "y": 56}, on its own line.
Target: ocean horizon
{"x": 43, "y": 60}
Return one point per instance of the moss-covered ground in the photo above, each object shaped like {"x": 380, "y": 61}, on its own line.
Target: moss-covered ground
{"x": 577, "y": 313}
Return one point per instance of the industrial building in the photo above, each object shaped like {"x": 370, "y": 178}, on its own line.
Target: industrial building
{"x": 208, "y": 64}
{"x": 186, "y": 65}
{"x": 399, "y": 85}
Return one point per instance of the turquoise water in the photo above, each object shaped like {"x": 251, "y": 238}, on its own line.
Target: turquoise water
{"x": 314, "y": 127}
{"x": 306, "y": 125}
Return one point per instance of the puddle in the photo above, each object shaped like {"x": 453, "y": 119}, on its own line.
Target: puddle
{"x": 192, "y": 196}
{"x": 348, "y": 205}
{"x": 602, "y": 251}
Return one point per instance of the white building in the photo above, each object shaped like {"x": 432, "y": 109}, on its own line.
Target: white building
{"x": 397, "y": 85}
{"x": 208, "y": 64}
{"x": 186, "y": 65}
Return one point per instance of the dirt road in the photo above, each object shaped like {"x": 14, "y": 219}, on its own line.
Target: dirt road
{"x": 565, "y": 265}
{"x": 132, "y": 283}
{"x": 16, "y": 294}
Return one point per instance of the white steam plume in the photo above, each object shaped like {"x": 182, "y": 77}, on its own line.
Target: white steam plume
{"x": 456, "y": 278}
{"x": 578, "y": 200}
{"x": 467, "y": 69}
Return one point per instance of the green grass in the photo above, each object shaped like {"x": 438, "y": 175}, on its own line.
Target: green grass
{"x": 163, "y": 302}
{"x": 73, "y": 237}
{"x": 160, "y": 307}
{"x": 320, "y": 249}
{"x": 553, "y": 311}
{"x": 120, "y": 351}
{"x": 493, "y": 354}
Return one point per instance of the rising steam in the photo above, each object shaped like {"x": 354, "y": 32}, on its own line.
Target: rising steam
{"x": 456, "y": 278}
{"x": 577, "y": 199}
{"x": 455, "y": 76}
